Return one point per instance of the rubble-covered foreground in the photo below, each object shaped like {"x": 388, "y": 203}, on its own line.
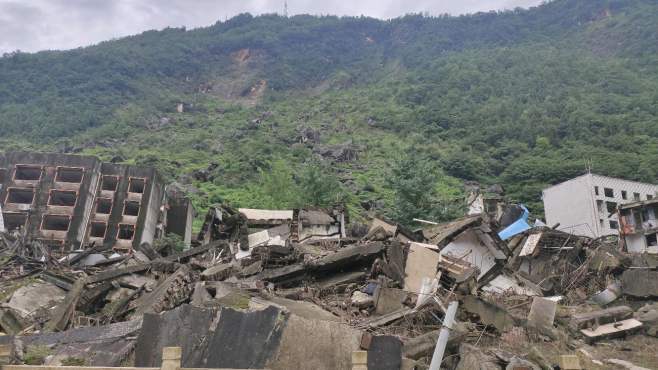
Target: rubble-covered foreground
{"x": 300, "y": 289}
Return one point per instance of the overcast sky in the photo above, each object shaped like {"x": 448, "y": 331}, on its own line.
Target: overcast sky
{"x": 32, "y": 25}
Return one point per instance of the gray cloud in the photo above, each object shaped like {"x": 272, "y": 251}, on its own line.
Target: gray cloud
{"x": 32, "y": 25}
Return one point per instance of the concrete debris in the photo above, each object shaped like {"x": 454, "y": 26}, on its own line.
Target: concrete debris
{"x": 622, "y": 364}
{"x": 611, "y": 330}
{"x": 542, "y": 312}
{"x": 648, "y": 316}
{"x": 303, "y": 289}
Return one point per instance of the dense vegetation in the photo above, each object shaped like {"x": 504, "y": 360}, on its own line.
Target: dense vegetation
{"x": 412, "y": 106}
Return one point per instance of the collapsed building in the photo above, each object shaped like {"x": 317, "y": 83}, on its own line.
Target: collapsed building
{"x": 490, "y": 200}
{"x": 68, "y": 202}
{"x": 639, "y": 226}
{"x": 304, "y": 289}
{"x": 297, "y": 289}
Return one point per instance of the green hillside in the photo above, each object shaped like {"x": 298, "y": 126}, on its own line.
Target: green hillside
{"x": 286, "y": 111}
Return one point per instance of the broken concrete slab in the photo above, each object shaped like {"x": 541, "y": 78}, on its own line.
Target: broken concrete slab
{"x": 489, "y": 313}
{"x": 389, "y": 300}
{"x": 385, "y": 353}
{"x": 10, "y": 322}
{"x": 542, "y": 312}
{"x": 337, "y": 282}
{"x": 395, "y": 262}
{"x": 108, "y": 345}
{"x": 246, "y": 340}
{"x": 186, "y": 326}
{"x": 612, "y": 330}
{"x": 115, "y": 273}
{"x": 315, "y": 345}
{"x": 443, "y": 234}
{"x": 28, "y": 299}
{"x": 625, "y": 364}
{"x": 423, "y": 345}
{"x": 306, "y": 310}
{"x": 640, "y": 283}
{"x": 285, "y": 273}
{"x": 218, "y": 272}
{"x": 505, "y": 284}
{"x": 469, "y": 246}
{"x": 265, "y": 216}
{"x": 598, "y": 317}
{"x": 421, "y": 263}
{"x": 648, "y": 315}
{"x": 348, "y": 256}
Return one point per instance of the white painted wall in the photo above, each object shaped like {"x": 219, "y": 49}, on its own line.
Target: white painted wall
{"x": 573, "y": 203}
{"x": 478, "y": 254}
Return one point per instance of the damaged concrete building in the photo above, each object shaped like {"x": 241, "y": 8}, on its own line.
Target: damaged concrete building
{"x": 490, "y": 200}
{"x": 587, "y": 204}
{"x": 296, "y": 289}
{"x": 639, "y": 226}
{"x": 70, "y": 201}
{"x": 251, "y": 228}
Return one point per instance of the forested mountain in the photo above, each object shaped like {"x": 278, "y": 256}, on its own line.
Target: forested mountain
{"x": 276, "y": 111}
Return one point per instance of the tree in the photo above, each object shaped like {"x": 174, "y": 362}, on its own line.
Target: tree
{"x": 276, "y": 188}
{"x": 319, "y": 186}
{"x": 414, "y": 182}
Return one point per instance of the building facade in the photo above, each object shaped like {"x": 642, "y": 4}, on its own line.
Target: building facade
{"x": 638, "y": 223}
{"x": 587, "y": 205}
{"x": 70, "y": 201}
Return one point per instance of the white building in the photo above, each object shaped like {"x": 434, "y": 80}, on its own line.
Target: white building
{"x": 587, "y": 204}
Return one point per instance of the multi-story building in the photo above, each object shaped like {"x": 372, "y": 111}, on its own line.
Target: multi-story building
{"x": 587, "y": 205}
{"x": 638, "y": 223}
{"x": 70, "y": 201}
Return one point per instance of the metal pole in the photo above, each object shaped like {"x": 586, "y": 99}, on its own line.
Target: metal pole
{"x": 448, "y": 322}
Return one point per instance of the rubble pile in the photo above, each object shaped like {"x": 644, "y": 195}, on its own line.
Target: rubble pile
{"x": 289, "y": 289}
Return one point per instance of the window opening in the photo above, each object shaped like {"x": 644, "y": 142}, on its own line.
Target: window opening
{"x": 69, "y": 174}
{"x": 26, "y": 172}
{"x": 110, "y": 183}
{"x": 14, "y": 221}
{"x": 20, "y": 196}
{"x": 611, "y": 207}
{"x": 56, "y": 222}
{"x": 652, "y": 240}
{"x": 137, "y": 185}
{"x": 126, "y": 232}
{"x": 104, "y": 206}
{"x": 131, "y": 208}
{"x": 98, "y": 230}
{"x": 63, "y": 198}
